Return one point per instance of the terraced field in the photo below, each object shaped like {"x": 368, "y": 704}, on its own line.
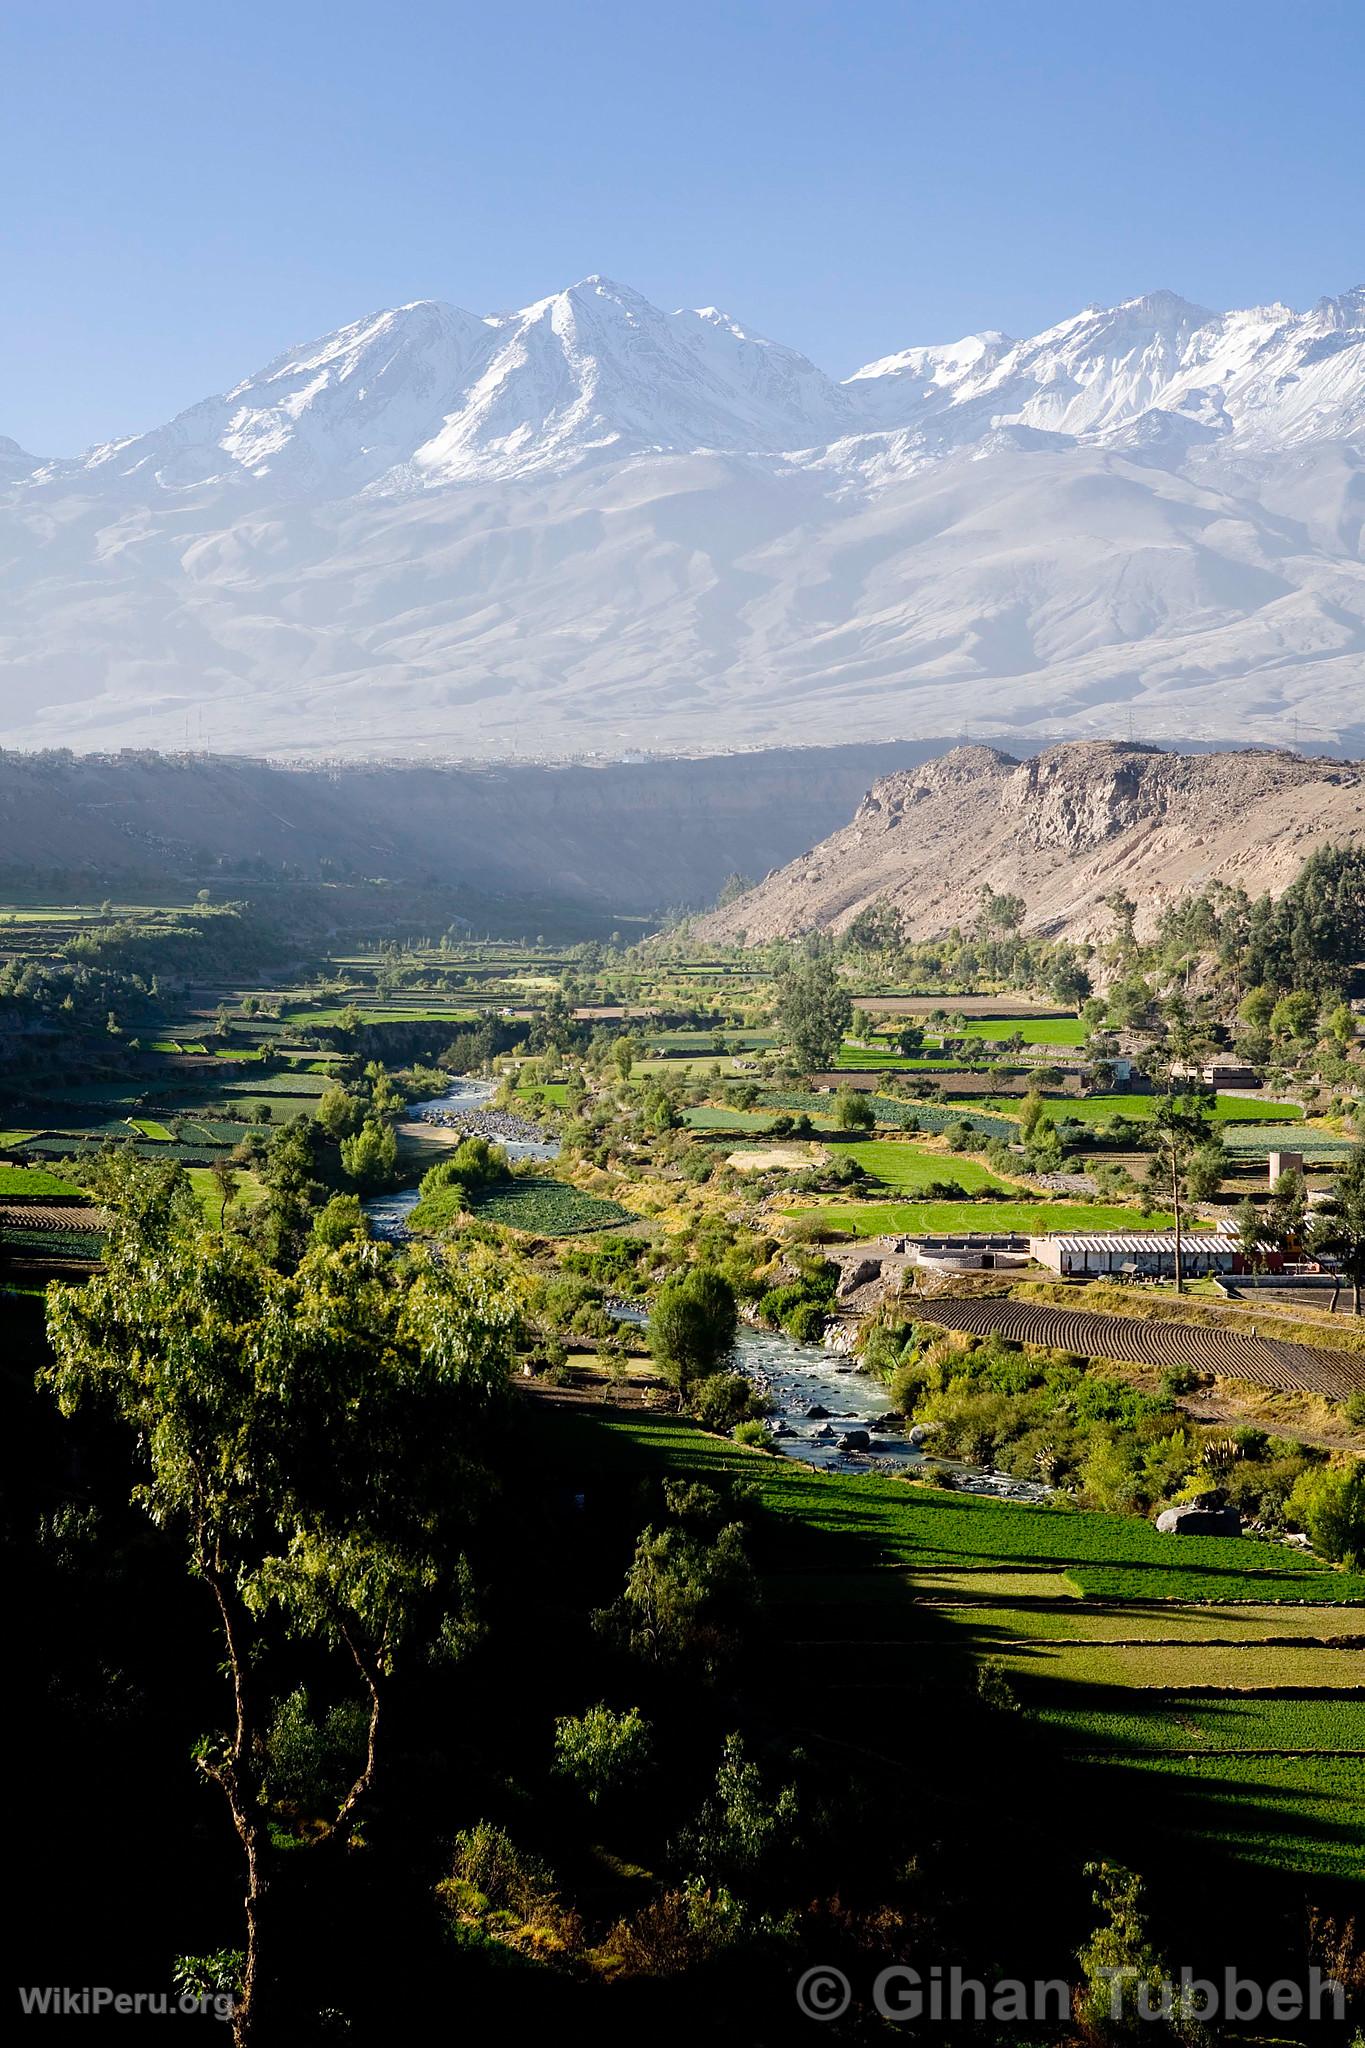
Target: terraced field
{"x": 1228, "y": 1354}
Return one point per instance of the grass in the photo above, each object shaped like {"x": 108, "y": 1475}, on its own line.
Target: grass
{"x": 1094, "y": 1109}
{"x": 35, "y": 1182}
{"x": 859, "y": 1059}
{"x": 1110, "y": 1731}
{"x": 537, "y": 1204}
{"x": 897, "y": 1163}
{"x": 1033, "y": 1030}
{"x": 543, "y": 1091}
{"x": 249, "y": 1193}
{"x": 949, "y": 1219}
{"x": 150, "y": 1128}
{"x": 329, "y": 1015}
{"x": 1168, "y": 1667}
{"x": 237, "y": 1052}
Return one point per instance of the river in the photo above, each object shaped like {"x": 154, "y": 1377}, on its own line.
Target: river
{"x": 463, "y": 1109}
{"x": 794, "y": 1377}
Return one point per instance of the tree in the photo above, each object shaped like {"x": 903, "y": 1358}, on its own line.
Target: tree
{"x": 815, "y": 1011}
{"x": 1071, "y": 984}
{"x": 692, "y": 1325}
{"x": 1338, "y": 1224}
{"x": 909, "y": 1040}
{"x": 371, "y": 1156}
{"x": 342, "y": 1219}
{"x": 1031, "y": 1114}
{"x": 853, "y": 1111}
{"x": 339, "y": 1112}
{"x": 1294, "y": 1015}
{"x": 603, "y": 1752}
{"x": 1288, "y": 1209}
{"x": 878, "y": 928}
{"x": 317, "y": 1446}
{"x": 1180, "y": 1127}
{"x": 225, "y": 1181}
{"x": 1328, "y": 1504}
{"x": 1250, "y": 1232}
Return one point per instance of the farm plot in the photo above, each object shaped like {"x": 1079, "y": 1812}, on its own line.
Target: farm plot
{"x": 1029, "y": 1217}
{"x": 279, "y": 1084}
{"x": 897, "y": 1164}
{"x": 914, "y": 1116}
{"x": 546, "y": 1207}
{"x": 33, "y": 1183}
{"x": 1228, "y": 1354}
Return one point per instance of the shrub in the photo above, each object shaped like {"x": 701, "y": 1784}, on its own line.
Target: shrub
{"x": 806, "y": 1322}
{"x": 726, "y": 1398}
{"x": 602, "y": 1752}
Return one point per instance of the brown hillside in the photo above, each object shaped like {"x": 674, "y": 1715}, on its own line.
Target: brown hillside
{"x": 1062, "y": 830}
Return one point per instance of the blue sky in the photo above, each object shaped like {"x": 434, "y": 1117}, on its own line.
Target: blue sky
{"x": 187, "y": 188}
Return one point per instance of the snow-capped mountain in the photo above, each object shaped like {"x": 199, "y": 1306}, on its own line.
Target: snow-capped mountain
{"x": 593, "y": 524}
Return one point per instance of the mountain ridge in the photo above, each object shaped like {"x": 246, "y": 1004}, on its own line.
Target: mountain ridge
{"x": 1064, "y": 829}
{"x": 618, "y": 529}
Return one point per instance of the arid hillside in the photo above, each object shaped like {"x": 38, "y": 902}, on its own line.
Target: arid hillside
{"x": 1062, "y": 830}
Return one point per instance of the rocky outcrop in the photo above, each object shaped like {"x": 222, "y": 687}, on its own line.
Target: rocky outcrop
{"x": 1063, "y": 830}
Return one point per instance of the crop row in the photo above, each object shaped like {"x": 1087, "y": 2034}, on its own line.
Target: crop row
{"x": 1228, "y": 1354}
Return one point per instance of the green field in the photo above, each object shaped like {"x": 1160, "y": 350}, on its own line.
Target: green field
{"x": 249, "y": 1193}
{"x": 1033, "y": 1030}
{"x": 548, "y": 1208}
{"x": 35, "y": 1182}
{"x": 898, "y": 1163}
{"x": 329, "y": 1015}
{"x": 150, "y": 1128}
{"x": 543, "y": 1091}
{"x": 1107, "y": 1631}
{"x": 947, "y": 1219}
{"x": 1094, "y": 1109}
{"x": 861, "y": 1059}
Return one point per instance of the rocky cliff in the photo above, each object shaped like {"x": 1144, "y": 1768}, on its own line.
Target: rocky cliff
{"x": 1062, "y": 830}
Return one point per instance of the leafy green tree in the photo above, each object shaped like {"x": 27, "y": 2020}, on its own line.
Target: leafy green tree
{"x": 692, "y": 1325}
{"x": 1338, "y": 1224}
{"x": 339, "y": 1112}
{"x": 686, "y": 1597}
{"x": 1180, "y": 1128}
{"x": 746, "y": 1827}
{"x": 317, "y": 1446}
{"x": 1119, "y": 1958}
{"x": 341, "y": 1220}
{"x": 1294, "y": 1015}
{"x": 1328, "y": 1504}
{"x": 814, "y": 1011}
{"x": 371, "y": 1156}
{"x": 225, "y": 1183}
{"x": 878, "y": 928}
{"x": 602, "y": 1752}
{"x": 853, "y": 1111}
{"x": 1288, "y": 1212}
{"x": 1250, "y": 1232}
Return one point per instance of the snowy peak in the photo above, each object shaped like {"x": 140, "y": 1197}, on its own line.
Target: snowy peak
{"x": 1264, "y": 377}
{"x": 427, "y": 396}
{"x": 329, "y": 415}
{"x": 598, "y": 369}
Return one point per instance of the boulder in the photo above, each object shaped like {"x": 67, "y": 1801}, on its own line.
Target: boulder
{"x": 857, "y": 1275}
{"x": 815, "y": 1413}
{"x": 1199, "y": 1521}
{"x": 855, "y": 1440}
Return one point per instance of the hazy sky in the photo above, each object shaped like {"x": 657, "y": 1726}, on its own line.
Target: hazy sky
{"x": 189, "y": 188}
